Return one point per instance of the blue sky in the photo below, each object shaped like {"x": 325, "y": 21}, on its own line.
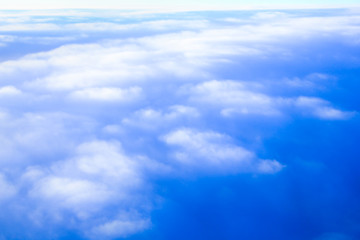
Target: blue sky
{"x": 237, "y": 124}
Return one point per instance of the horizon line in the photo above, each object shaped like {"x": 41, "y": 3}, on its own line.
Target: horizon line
{"x": 180, "y": 8}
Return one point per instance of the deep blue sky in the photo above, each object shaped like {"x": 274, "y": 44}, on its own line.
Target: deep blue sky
{"x": 189, "y": 125}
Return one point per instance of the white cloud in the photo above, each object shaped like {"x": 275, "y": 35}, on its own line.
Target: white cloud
{"x": 57, "y": 145}
{"x": 122, "y": 227}
{"x": 314, "y": 82}
{"x": 320, "y": 108}
{"x": 243, "y": 98}
{"x": 112, "y": 129}
{"x": 40, "y": 25}
{"x": 97, "y": 176}
{"x": 214, "y": 152}
{"x": 9, "y": 91}
{"x": 232, "y": 96}
{"x": 152, "y": 119}
{"x": 77, "y": 195}
{"x": 268, "y": 166}
{"x": 34, "y": 138}
{"x": 107, "y": 94}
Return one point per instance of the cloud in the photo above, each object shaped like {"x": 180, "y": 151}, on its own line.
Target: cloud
{"x": 97, "y": 176}
{"x": 37, "y": 24}
{"x": 122, "y": 227}
{"x": 9, "y": 91}
{"x": 73, "y": 194}
{"x": 7, "y": 189}
{"x": 246, "y": 98}
{"x": 312, "y": 82}
{"x": 90, "y": 126}
{"x": 215, "y": 152}
{"x": 32, "y": 138}
{"x": 321, "y": 109}
{"x": 106, "y": 94}
{"x": 233, "y": 96}
{"x": 153, "y": 119}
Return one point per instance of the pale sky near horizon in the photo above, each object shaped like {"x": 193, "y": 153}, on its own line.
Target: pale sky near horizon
{"x": 144, "y": 4}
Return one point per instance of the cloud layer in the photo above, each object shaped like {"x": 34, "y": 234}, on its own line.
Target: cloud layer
{"x": 95, "y": 111}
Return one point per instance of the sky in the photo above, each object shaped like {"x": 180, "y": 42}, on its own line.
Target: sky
{"x": 131, "y": 124}
{"x": 156, "y": 4}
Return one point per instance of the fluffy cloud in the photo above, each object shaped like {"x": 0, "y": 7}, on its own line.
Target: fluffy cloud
{"x": 9, "y": 91}
{"x": 97, "y": 176}
{"x": 89, "y": 126}
{"x": 122, "y": 227}
{"x": 106, "y": 94}
{"x": 153, "y": 119}
{"x": 214, "y": 152}
{"x": 233, "y": 96}
{"x": 247, "y": 98}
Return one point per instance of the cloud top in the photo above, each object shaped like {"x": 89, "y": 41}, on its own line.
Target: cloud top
{"x": 96, "y": 111}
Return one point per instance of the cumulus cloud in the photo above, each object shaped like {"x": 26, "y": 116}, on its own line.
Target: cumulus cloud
{"x": 97, "y": 176}
{"x": 215, "y": 152}
{"x": 233, "y": 96}
{"x": 106, "y": 94}
{"x": 244, "y": 98}
{"x": 34, "y": 138}
{"x": 153, "y": 119}
{"x": 9, "y": 91}
{"x": 89, "y": 126}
